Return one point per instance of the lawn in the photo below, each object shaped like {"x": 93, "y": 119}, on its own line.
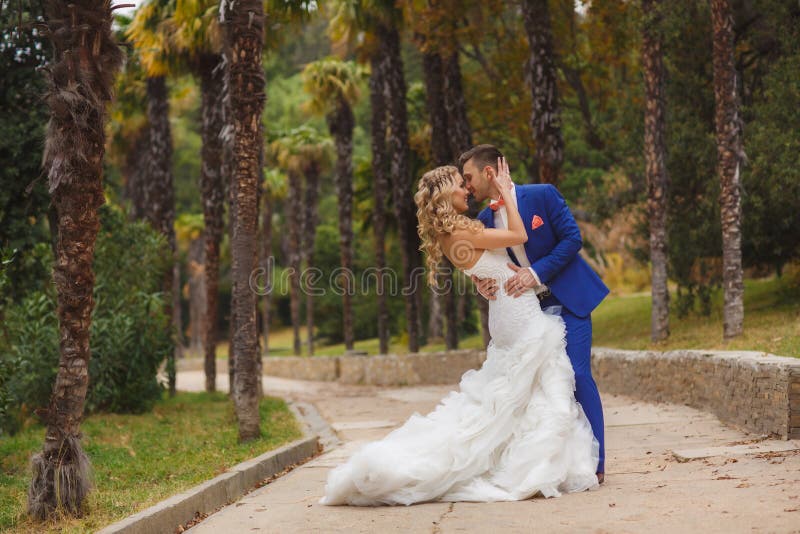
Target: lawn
{"x": 139, "y": 460}
{"x": 772, "y": 324}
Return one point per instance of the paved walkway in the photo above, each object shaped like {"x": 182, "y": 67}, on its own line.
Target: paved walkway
{"x": 669, "y": 469}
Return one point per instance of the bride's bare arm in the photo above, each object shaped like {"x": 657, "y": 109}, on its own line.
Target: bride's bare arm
{"x": 489, "y": 238}
{"x": 506, "y": 187}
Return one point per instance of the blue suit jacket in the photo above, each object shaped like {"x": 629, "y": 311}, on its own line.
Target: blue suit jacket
{"x": 552, "y": 248}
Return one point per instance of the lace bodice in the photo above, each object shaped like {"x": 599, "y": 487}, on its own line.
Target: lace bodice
{"x": 508, "y": 316}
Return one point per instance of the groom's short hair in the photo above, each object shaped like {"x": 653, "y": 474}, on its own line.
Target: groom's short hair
{"x": 482, "y": 155}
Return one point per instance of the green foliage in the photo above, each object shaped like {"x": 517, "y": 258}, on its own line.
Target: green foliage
{"x": 771, "y": 181}
{"x": 23, "y": 115}
{"x": 130, "y": 333}
{"x": 129, "y": 339}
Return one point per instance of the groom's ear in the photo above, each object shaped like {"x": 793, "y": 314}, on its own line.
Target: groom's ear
{"x": 491, "y": 174}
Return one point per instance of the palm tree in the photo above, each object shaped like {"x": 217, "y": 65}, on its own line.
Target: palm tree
{"x": 244, "y": 42}
{"x": 402, "y": 183}
{"x": 333, "y": 86}
{"x": 380, "y": 187}
{"x": 85, "y": 60}
{"x": 303, "y": 153}
{"x": 151, "y": 43}
{"x": 730, "y": 156}
{"x": 273, "y": 187}
{"x": 196, "y": 38}
{"x": 460, "y": 135}
{"x": 443, "y": 149}
{"x": 129, "y": 137}
{"x": 655, "y": 164}
{"x": 378, "y": 21}
{"x": 541, "y": 76}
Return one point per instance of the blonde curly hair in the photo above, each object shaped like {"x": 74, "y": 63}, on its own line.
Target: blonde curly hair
{"x": 436, "y": 215}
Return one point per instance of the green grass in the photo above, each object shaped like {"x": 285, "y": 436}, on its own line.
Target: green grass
{"x": 139, "y": 460}
{"x": 772, "y": 324}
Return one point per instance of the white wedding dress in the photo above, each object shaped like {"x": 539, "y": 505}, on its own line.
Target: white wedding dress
{"x": 513, "y": 429}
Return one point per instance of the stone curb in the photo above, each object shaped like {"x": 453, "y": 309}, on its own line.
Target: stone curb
{"x": 226, "y": 488}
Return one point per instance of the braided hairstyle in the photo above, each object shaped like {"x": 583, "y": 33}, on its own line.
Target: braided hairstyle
{"x": 436, "y": 215}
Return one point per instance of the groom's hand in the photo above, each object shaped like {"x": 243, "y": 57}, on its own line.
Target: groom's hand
{"x": 522, "y": 281}
{"x": 487, "y": 287}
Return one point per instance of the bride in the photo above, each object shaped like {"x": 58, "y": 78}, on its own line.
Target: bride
{"x": 513, "y": 429}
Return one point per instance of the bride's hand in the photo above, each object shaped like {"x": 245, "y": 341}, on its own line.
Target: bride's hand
{"x": 503, "y": 178}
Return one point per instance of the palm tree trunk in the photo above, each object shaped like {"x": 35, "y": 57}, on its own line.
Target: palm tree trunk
{"x": 655, "y": 166}
{"x": 460, "y": 141}
{"x": 266, "y": 265}
{"x": 380, "y": 181}
{"x": 160, "y": 202}
{"x": 442, "y": 299}
{"x": 244, "y": 37}
{"x": 212, "y": 187}
{"x": 459, "y": 130}
{"x": 729, "y": 158}
{"x": 228, "y": 167}
{"x": 310, "y": 221}
{"x": 400, "y": 172}
{"x": 341, "y": 124}
{"x": 134, "y": 173}
{"x": 86, "y": 59}
{"x": 294, "y": 221}
{"x": 540, "y": 72}
{"x": 197, "y": 293}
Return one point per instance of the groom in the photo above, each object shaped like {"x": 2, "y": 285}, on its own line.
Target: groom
{"x": 549, "y": 264}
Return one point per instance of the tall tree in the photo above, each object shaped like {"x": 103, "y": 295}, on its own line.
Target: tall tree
{"x": 540, "y": 73}
{"x": 443, "y": 152}
{"x": 333, "y": 86}
{"x": 436, "y": 33}
{"x": 274, "y": 187}
{"x": 149, "y": 38}
{"x": 730, "y": 155}
{"x": 86, "y": 59}
{"x": 380, "y": 189}
{"x": 195, "y": 38}
{"x": 374, "y": 26}
{"x": 460, "y": 135}
{"x": 401, "y": 180}
{"x": 304, "y": 154}
{"x": 655, "y": 164}
{"x": 244, "y": 40}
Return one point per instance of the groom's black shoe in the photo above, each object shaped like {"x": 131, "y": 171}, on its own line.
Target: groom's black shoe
{"x": 600, "y": 477}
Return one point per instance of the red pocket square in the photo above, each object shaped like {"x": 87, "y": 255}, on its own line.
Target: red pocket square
{"x": 536, "y": 222}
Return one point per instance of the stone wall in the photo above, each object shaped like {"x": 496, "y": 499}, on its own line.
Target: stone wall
{"x": 388, "y": 370}
{"x": 755, "y": 390}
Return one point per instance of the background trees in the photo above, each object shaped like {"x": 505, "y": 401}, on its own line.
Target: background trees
{"x": 333, "y": 86}
{"x": 440, "y": 75}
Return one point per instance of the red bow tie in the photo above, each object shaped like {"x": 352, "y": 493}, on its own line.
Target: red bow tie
{"x": 497, "y": 204}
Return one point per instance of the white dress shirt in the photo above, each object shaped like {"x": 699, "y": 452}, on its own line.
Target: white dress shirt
{"x": 501, "y": 222}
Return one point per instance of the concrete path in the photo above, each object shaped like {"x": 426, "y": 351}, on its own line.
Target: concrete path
{"x": 669, "y": 469}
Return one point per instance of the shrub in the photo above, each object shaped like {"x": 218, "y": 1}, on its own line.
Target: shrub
{"x": 130, "y": 333}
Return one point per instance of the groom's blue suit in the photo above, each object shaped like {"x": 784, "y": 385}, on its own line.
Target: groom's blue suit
{"x": 552, "y": 249}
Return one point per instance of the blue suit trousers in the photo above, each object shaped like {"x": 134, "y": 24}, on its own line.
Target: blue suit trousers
{"x": 579, "y": 350}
